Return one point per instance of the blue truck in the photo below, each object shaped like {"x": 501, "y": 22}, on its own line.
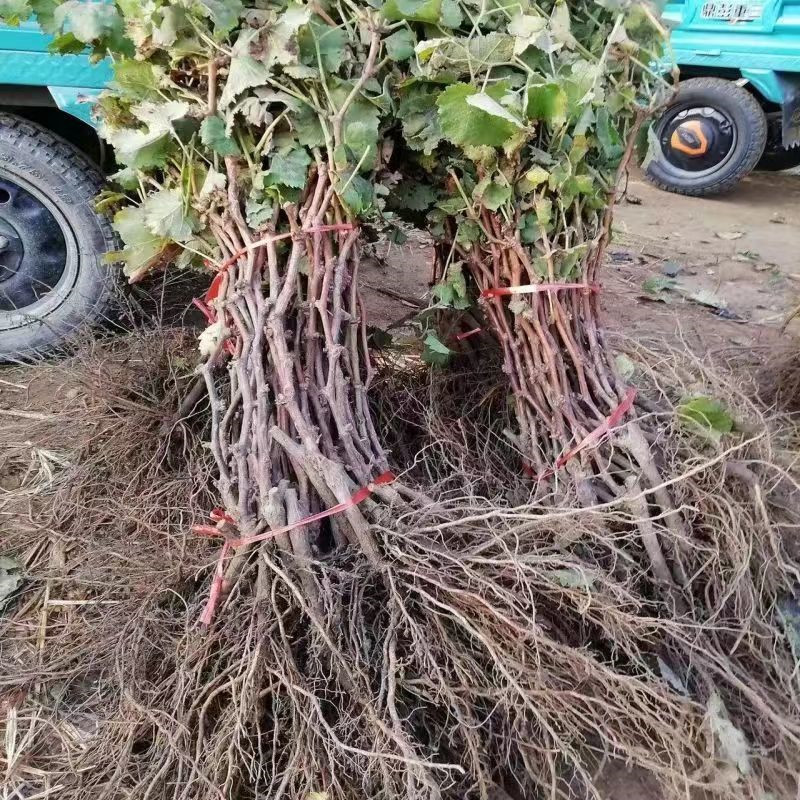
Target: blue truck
{"x": 737, "y": 106}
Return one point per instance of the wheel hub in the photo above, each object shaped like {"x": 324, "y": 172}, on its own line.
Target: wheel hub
{"x": 33, "y": 250}
{"x": 697, "y": 139}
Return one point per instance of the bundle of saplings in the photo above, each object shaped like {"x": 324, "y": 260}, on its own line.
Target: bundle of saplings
{"x": 360, "y": 634}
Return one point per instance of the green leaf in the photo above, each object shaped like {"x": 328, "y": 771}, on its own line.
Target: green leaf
{"x": 212, "y": 134}
{"x": 492, "y": 193}
{"x": 45, "y": 14}
{"x": 413, "y": 10}
{"x": 610, "y": 141}
{"x": 706, "y": 415}
{"x": 420, "y": 117}
{"x": 400, "y": 45}
{"x": 413, "y": 196}
{"x": 656, "y": 284}
{"x": 308, "y": 128}
{"x": 244, "y": 73}
{"x": 464, "y": 124}
{"x": 67, "y": 45}
{"x": 142, "y": 248}
{"x": 332, "y": 44}
{"x": 357, "y": 194}
{"x": 224, "y": 14}
{"x": 544, "y": 211}
{"x": 290, "y": 169}
{"x": 88, "y": 22}
{"x": 165, "y": 215}
{"x": 434, "y": 352}
{"x": 485, "y": 102}
{"x": 137, "y": 79}
{"x": 547, "y": 102}
{"x": 452, "y": 291}
{"x": 142, "y": 149}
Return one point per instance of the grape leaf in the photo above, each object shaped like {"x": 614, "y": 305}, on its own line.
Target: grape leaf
{"x": 413, "y": 10}
{"x": 332, "y": 44}
{"x": 733, "y": 746}
{"x": 224, "y": 14}
{"x": 165, "y": 215}
{"x": 150, "y": 147}
{"x": 87, "y": 22}
{"x": 452, "y": 291}
{"x": 12, "y": 12}
{"x": 400, "y": 45}
{"x": 289, "y": 169}
{"x": 610, "y": 141}
{"x": 707, "y": 415}
{"x": 137, "y": 79}
{"x": 420, "y": 117}
{"x": 435, "y": 352}
{"x": 526, "y": 30}
{"x": 142, "y": 248}
{"x": 547, "y": 102}
{"x": 465, "y": 55}
{"x": 212, "y": 134}
{"x": 244, "y": 72}
{"x": 464, "y": 124}
{"x": 413, "y": 196}
{"x": 486, "y": 103}
{"x": 282, "y": 43}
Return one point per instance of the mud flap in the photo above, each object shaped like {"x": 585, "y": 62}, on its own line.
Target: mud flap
{"x": 791, "y": 111}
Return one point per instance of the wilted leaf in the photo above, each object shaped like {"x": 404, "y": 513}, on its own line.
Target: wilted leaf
{"x": 670, "y": 676}
{"x": 147, "y": 148}
{"x": 706, "y": 415}
{"x": 610, "y": 141}
{"x": 526, "y": 30}
{"x": 574, "y": 578}
{"x": 733, "y": 746}
{"x": 560, "y": 26}
{"x": 211, "y": 338}
{"x": 464, "y": 124}
{"x": 705, "y": 297}
{"x": 625, "y": 367}
{"x": 214, "y": 180}
{"x": 435, "y": 352}
{"x": 212, "y": 134}
{"x": 10, "y": 577}
{"x": 465, "y": 55}
{"x": 728, "y": 235}
{"x": 143, "y": 249}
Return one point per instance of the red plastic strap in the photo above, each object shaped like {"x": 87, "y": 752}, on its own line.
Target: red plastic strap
{"x": 611, "y": 421}
{"x": 356, "y": 498}
{"x": 210, "y": 316}
{"x": 218, "y": 584}
{"x": 536, "y": 288}
{"x": 461, "y": 336}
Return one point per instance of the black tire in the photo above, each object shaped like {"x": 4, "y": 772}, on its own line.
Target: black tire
{"x": 779, "y": 159}
{"x": 744, "y": 116}
{"x": 43, "y": 171}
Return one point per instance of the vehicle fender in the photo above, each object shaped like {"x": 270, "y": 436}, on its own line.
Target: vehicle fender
{"x": 76, "y": 101}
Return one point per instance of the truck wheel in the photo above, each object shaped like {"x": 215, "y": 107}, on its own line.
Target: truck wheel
{"x": 778, "y": 159}
{"x": 52, "y": 276}
{"x": 710, "y": 137}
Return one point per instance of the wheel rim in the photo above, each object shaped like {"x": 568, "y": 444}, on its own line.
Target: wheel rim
{"x": 698, "y": 140}
{"x": 38, "y": 252}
